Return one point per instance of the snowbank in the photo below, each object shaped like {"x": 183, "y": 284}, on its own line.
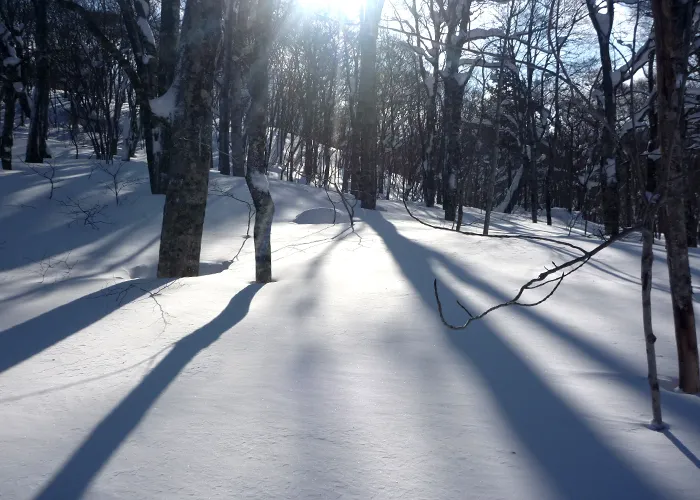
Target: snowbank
{"x": 321, "y": 215}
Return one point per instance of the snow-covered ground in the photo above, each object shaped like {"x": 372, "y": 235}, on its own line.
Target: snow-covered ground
{"x": 338, "y": 379}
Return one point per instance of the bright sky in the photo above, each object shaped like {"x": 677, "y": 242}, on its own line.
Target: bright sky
{"x": 349, "y": 9}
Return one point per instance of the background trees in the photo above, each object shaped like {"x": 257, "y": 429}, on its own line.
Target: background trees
{"x": 499, "y": 105}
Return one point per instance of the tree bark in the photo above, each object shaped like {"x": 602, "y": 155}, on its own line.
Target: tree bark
{"x": 367, "y": 104}
{"x": 256, "y": 125}
{"x": 608, "y": 168}
{"x": 672, "y": 27}
{"x": 39, "y": 125}
{"x": 186, "y": 197}
{"x": 8, "y": 124}
{"x": 225, "y": 95}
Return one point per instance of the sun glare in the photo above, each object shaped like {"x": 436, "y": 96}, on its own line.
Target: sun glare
{"x": 347, "y": 9}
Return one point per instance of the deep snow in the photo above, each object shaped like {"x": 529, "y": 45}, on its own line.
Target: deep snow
{"x": 338, "y": 379}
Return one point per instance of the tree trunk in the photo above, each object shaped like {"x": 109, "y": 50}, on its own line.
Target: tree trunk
{"x": 672, "y": 23}
{"x": 256, "y": 174}
{"x": 7, "y": 128}
{"x": 367, "y": 104}
{"x": 225, "y": 95}
{"x": 39, "y": 127}
{"x": 186, "y": 197}
{"x": 608, "y": 168}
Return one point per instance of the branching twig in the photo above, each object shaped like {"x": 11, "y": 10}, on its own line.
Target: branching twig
{"x": 542, "y": 279}
{"x": 47, "y": 173}
{"x": 47, "y": 264}
{"x": 349, "y": 208}
{"x": 121, "y": 293}
{"x": 90, "y": 216}
{"x": 217, "y": 190}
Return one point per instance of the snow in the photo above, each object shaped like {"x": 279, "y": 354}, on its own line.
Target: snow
{"x": 260, "y": 181}
{"x": 610, "y": 170}
{"x": 462, "y": 78}
{"x": 603, "y": 22}
{"x": 336, "y": 380}
{"x": 478, "y": 33}
{"x": 146, "y": 31}
{"x": 10, "y": 61}
{"x": 429, "y": 83}
{"x": 164, "y": 106}
{"x": 145, "y": 8}
{"x": 321, "y": 215}
{"x": 511, "y": 190}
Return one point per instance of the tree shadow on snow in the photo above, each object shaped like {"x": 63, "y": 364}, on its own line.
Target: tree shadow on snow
{"x": 21, "y": 342}
{"x": 77, "y": 473}
{"x": 577, "y": 464}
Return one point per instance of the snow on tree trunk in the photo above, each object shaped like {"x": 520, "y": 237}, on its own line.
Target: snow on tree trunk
{"x": 186, "y": 197}
{"x": 39, "y": 127}
{"x": 672, "y": 27}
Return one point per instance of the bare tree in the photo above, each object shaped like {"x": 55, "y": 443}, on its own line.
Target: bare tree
{"x": 186, "y": 198}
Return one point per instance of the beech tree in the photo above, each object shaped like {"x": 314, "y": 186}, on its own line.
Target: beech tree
{"x": 186, "y": 197}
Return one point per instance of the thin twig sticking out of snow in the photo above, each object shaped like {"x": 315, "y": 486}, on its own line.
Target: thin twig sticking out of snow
{"x": 121, "y": 294}
{"x": 217, "y": 190}
{"x": 554, "y": 275}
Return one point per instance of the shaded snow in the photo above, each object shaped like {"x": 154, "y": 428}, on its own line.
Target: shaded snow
{"x": 336, "y": 380}
{"x": 321, "y": 215}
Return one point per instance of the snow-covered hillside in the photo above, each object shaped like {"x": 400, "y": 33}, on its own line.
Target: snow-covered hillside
{"x": 338, "y": 380}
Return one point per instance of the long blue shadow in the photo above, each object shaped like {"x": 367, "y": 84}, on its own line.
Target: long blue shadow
{"x": 28, "y": 339}
{"x": 576, "y": 463}
{"x": 77, "y": 473}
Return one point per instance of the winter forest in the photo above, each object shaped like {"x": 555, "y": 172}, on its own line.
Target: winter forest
{"x": 389, "y": 249}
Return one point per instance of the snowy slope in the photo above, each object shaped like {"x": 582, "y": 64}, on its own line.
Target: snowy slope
{"x": 337, "y": 380}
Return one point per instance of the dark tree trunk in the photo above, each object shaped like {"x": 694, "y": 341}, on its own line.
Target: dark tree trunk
{"x": 39, "y": 128}
{"x": 186, "y": 197}
{"x": 8, "y": 124}
{"x": 167, "y": 47}
{"x": 367, "y": 104}
{"x": 256, "y": 125}
{"x": 672, "y": 23}
{"x": 607, "y": 165}
{"x": 225, "y": 95}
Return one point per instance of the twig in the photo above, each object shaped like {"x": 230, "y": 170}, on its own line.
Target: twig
{"x": 89, "y": 215}
{"x": 217, "y": 190}
{"x": 542, "y": 279}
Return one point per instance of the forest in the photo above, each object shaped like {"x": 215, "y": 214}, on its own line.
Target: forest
{"x": 477, "y": 160}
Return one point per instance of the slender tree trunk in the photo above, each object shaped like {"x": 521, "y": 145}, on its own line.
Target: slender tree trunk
{"x": 225, "y": 95}
{"x": 256, "y": 125}
{"x": 672, "y": 23}
{"x": 493, "y": 162}
{"x": 7, "y": 128}
{"x": 608, "y": 168}
{"x": 186, "y": 197}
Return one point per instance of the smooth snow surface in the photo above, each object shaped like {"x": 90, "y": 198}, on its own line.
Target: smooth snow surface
{"x": 337, "y": 380}
{"x": 321, "y": 215}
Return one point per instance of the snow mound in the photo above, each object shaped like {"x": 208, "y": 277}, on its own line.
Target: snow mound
{"x": 151, "y": 271}
{"x": 321, "y": 215}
